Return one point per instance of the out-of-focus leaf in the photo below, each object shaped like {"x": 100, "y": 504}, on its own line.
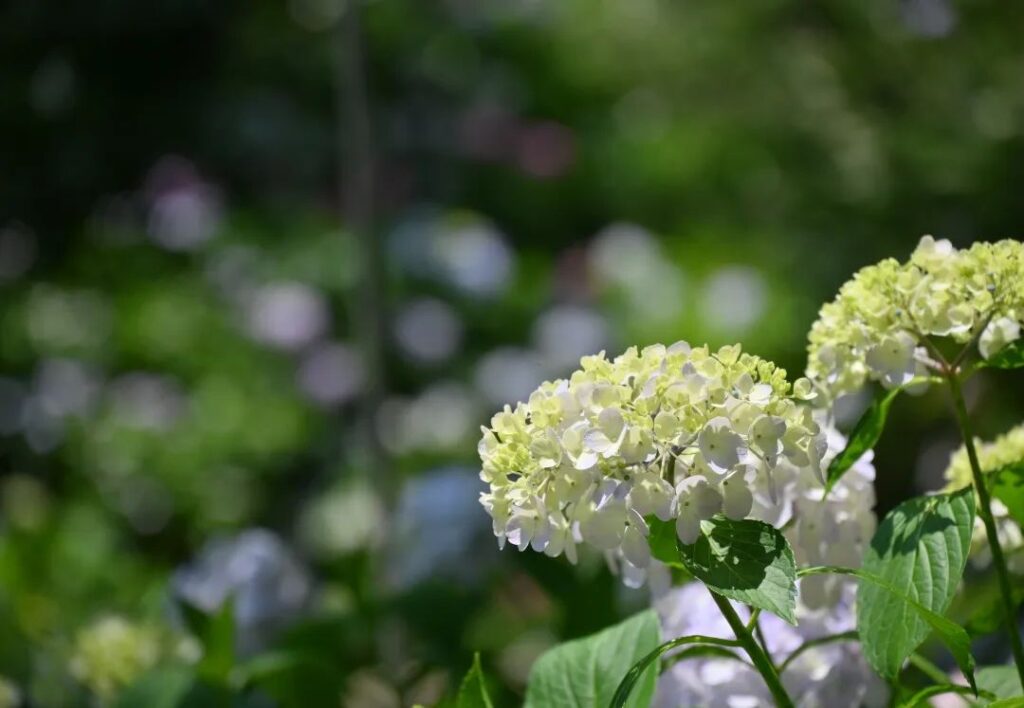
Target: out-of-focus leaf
{"x": 216, "y": 634}
{"x": 473, "y": 690}
{"x": 1001, "y": 681}
{"x": 161, "y": 688}
{"x": 748, "y": 560}
{"x": 1008, "y": 487}
{"x": 586, "y": 672}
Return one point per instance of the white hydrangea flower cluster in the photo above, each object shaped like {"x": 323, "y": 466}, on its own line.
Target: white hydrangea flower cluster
{"x": 880, "y": 324}
{"x": 824, "y": 529}
{"x": 835, "y": 675}
{"x": 1005, "y": 450}
{"x": 678, "y": 432}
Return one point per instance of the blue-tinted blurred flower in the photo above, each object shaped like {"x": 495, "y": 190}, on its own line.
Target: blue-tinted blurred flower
{"x": 267, "y": 583}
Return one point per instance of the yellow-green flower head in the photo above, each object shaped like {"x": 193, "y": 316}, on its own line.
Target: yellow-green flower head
{"x": 111, "y": 653}
{"x": 10, "y": 696}
{"x": 1005, "y": 450}
{"x": 878, "y": 326}
{"x": 682, "y": 433}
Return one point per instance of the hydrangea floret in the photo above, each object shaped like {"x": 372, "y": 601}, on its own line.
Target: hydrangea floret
{"x": 676, "y": 432}
{"x": 886, "y": 319}
{"x": 112, "y": 652}
{"x": 1007, "y": 449}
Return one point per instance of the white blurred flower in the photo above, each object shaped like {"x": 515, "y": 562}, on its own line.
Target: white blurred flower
{"x": 288, "y": 315}
{"x": 733, "y": 298}
{"x": 565, "y": 333}
{"x": 428, "y": 330}
{"x": 998, "y": 334}
{"x": 834, "y": 675}
{"x": 331, "y": 373}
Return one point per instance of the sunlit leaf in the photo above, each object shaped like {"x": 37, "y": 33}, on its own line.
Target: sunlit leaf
{"x": 586, "y": 672}
{"x": 748, "y": 560}
{"x": 920, "y": 549}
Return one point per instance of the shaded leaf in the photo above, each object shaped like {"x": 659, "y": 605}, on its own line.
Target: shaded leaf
{"x": 473, "y": 690}
{"x": 862, "y": 438}
{"x": 1008, "y": 487}
{"x": 748, "y": 560}
{"x": 162, "y": 688}
{"x": 1009, "y": 357}
{"x": 662, "y": 540}
{"x": 920, "y": 550}
{"x": 586, "y": 672}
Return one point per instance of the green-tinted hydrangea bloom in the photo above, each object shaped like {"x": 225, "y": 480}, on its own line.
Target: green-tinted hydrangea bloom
{"x": 1005, "y": 450}
{"x": 878, "y": 325}
{"x": 10, "y": 696}
{"x": 678, "y": 432}
{"x": 111, "y": 653}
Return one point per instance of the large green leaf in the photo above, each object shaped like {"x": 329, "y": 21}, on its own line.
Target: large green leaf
{"x": 748, "y": 560}
{"x": 586, "y": 672}
{"x": 920, "y": 549}
{"x": 1001, "y": 681}
{"x": 863, "y": 437}
{"x": 1009, "y": 357}
{"x": 952, "y": 635}
{"x": 473, "y": 690}
{"x": 1008, "y": 487}
{"x": 699, "y": 645}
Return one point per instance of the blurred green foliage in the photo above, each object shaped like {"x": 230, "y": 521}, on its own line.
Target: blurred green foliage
{"x": 646, "y": 171}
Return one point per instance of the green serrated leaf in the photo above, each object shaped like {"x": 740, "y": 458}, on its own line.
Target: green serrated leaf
{"x": 748, "y": 560}
{"x": 1000, "y": 681}
{"x": 473, "y": 690}
{"x": 586, "y": 672}
{"x": 920, "y": 549}
{"x": 1008, "y": 487}
{"x": 863, "y": 437}
{"x": 1009, "y": 357}
{"x": 951, "y": 634}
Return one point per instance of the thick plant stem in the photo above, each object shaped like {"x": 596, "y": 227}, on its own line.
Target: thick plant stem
{"x": 757, "y": 655}
{"x": 985, "y": 511}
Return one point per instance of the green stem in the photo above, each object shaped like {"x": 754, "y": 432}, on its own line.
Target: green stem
{"x": 757, "y": 655}
{"x": 985, "y": 511}
{"x": 928, "y": 669}
{"x": 850, "y": 636}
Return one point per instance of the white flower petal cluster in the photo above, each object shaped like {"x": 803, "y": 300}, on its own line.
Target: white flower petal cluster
{"x": 676, "y": 432}
{"x": 878, "y": 326}
{"x": 831, "y": 675}
{"x": 1005, "y": 450}
{"x": 823, "y": 529}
